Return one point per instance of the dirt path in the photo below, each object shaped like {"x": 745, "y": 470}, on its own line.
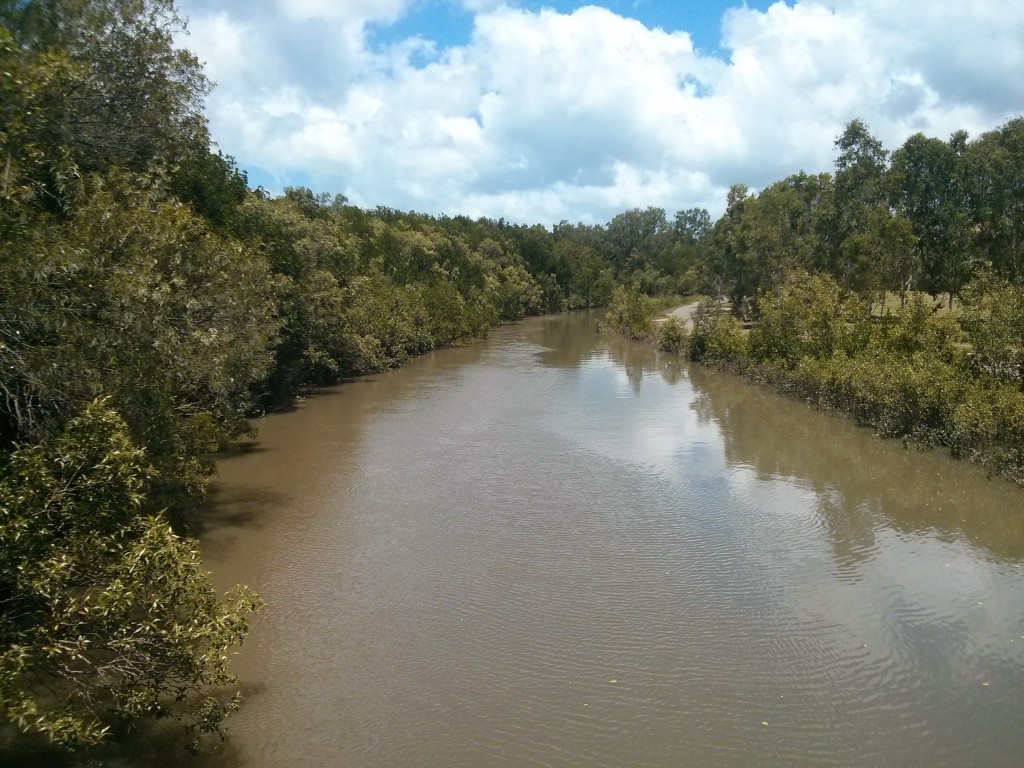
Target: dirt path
{"x": 684, "y": 313}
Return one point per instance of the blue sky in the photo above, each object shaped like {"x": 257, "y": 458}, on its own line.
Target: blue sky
{"x": 450, "y": 23}
{"x": 542, "y": 112}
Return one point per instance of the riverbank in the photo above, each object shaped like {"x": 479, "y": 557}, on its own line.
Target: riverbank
{"x": 924, "y": 377}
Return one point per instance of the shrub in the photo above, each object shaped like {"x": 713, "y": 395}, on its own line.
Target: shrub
{"x": 630, "y": 313}
{"x": 672, "y": 336}
{"x": 107, "y": 614}
{"x": 804, "y": 320}
{"x": 717, "y": 336}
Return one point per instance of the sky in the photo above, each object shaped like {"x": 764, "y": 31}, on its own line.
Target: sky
{"x": 541, "y": 112}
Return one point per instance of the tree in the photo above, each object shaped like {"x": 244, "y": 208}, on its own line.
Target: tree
{"x": 105, "y": 614}
{"x": 588, "y": 278}
{"x": 781, "y": 227}
{"x": 804, "y": 319}
{"x": 994, "y": 167}
{"x": 860, "y": 173}
{"x": 992, "y": 315}
{"x": 879, "y": 255}
{"x": 638, "y": 238}
{"x": 927, "y": 187}
{"x": 107, "y": 87}
{"x": 212, "y": 184}
{"x": 134, "y": 297}
{"x": 690, "y": 226}
{"x": 728, "y": 270}
{"x": 872, "y": 248}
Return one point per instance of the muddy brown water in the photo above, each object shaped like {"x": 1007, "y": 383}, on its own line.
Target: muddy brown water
{"x": 554, "y": 549}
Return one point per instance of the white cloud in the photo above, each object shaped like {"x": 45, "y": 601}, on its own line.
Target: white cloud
{"x": 542, "y": 115}
{"x": 343, "y": 10}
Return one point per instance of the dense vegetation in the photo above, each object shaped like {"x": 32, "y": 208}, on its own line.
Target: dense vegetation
{"x": 926, "y": 217}
{"x": 150, "y": 301}
{"x": 811, "y": 266}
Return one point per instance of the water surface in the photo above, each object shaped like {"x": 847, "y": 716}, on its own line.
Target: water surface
{"x": 554, "y": 549}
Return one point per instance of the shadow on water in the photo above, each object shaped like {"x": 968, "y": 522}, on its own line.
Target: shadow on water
{"x": 155, "y": 743}
{"x": 166, "y": 743}
{"x": 229, "y": 511}
{"x": 32, "y": 754}
{"x": 240, "y": 449}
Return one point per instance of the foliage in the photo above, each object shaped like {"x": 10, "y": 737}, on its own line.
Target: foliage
{"x": 136, "y": 267}
{"x": 104, "y": 86}
{"x": 992, "y": 316}
{"x": 128, "y": 286}
{"x": 107, "y": 614}
{"x": 927, "y": 186}
{"x": 805, "y": 319}
{"x": 924, "y": 217}
{"x": 717, "y": 336}
{"x": 672, "y": 336}
{"x": 993, "y": 168}
{"x": 630, "y": 313}
{"x": 910, "y": 376}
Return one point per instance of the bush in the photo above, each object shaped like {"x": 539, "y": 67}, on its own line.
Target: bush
{"x": 717, "y": 337}
{"x": 672, "y": 336}
{"x": 107, "y": 614}
{"x": 992, "y": 315}
{"x": 804, "y": 320}
{"x": 910, "y": 377}
{"x": 630, "y": 313}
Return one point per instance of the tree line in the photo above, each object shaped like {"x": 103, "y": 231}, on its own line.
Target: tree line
{"x": 928, "y": 217}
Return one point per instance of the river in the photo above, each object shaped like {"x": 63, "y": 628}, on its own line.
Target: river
{"x": 553, "y": 549}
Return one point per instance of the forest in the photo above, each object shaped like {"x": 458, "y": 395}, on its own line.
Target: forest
{"x": 889, "y": 290}
{"x": 151, "y": 302}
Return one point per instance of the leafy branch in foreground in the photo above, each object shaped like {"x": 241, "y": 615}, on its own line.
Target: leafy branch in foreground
{"x": 106, "y": 616}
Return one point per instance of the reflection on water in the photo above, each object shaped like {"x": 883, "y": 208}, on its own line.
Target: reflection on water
{"x": 556, "y": 548}
{"x": 859, "y": 483}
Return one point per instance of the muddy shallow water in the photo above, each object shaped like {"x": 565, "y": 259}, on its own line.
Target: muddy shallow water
{"x": 552, "y": 548}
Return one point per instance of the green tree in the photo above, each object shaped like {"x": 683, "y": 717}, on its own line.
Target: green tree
{"x": 803, "y": 319}
{"x": 859, "y": 204}
{"x": 692, "y": 225}
{"x": 691, "y": 229}
{"x": 588, "y": 279}
{"x": 782, "y": 229}
{"x": 879, "y": 255}
{"x": 121, "y": 94}
{"x": 729, "y": 268}
{"x": 638, "y": 238}
{"x": 134, "y": 297}
{"x": 212, "y": 184}
{"x": 994, "y": 167}
{"x": 992, "y": 315}
{"x": 860, "y": 174}
{"x": 630, "y": 313}
{"x": 928, "y": 188}
{"x": 105, "y": 614}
